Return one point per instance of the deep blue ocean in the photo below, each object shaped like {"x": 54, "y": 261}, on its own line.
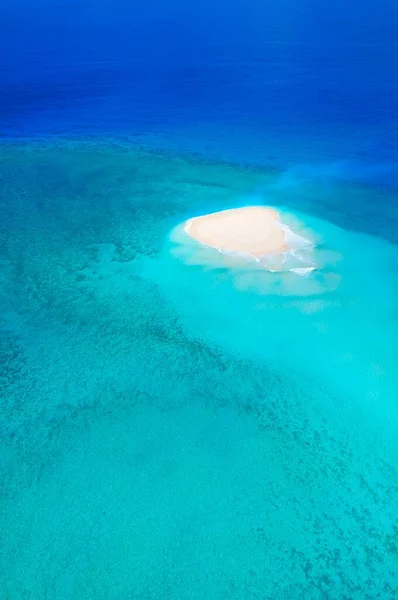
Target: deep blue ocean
{"x": 175, "y": 426}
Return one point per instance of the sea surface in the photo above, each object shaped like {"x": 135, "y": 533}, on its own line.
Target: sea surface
{"x": 175, "y": 427}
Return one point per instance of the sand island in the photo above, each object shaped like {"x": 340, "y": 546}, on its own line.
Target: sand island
{"x": 255, "y": 231}
{"x": 258, "y": 248}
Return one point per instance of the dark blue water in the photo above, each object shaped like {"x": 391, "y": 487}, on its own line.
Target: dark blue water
{"x": 323, "y": 74}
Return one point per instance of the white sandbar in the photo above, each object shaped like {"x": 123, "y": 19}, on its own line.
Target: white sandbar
{"x": 254, "y": 230}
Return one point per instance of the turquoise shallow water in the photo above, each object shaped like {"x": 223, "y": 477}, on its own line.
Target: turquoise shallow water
{"x": 175, "y": 430}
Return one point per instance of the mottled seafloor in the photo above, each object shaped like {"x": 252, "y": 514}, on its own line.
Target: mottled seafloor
{"x": 173, "y": 431}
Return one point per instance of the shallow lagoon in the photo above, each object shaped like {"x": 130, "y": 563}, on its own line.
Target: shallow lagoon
{"x": 175, "y": 430}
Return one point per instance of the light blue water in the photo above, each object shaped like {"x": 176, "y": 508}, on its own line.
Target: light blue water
{"x": 174, "y": 430}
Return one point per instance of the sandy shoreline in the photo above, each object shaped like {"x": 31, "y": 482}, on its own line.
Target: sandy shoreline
{"x": 254, "y": 230}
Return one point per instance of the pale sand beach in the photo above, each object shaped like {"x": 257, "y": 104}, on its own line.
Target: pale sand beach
{"x": 248, "y": 236}
{"x": 254, "y": 230}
